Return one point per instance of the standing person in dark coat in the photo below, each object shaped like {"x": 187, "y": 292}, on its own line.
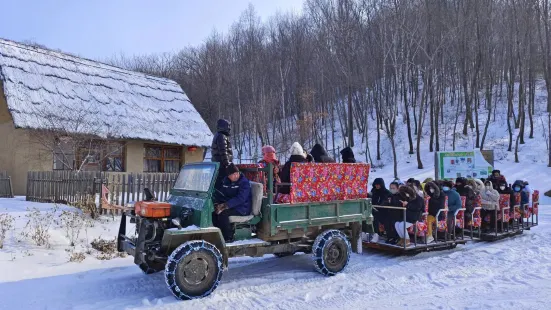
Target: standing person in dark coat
{"x": 297, "y": 156}
{"x": 437, "y": 202}
{"x": 233, "y": 199}
{"x": 320, "y": 154}
{"x": 347, "y": 155}
{"x": 221, "y": 149}
{"x": 379, "y": 196}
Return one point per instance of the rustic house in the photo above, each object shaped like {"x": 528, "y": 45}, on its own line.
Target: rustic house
{"x": 61, "y": 112}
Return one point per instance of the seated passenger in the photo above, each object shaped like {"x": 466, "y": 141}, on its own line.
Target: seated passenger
{"x": 528, "y": 190}
{"x": 518, "y": 187}
{"x": 233, "y": 199}
{"x": 427, "y": 180}
{"x": 454, "y": 200}
{"x": 504, "y": 189}
{"x": 496, "y": 178}
{"x": 418, "y": 188}
{"x": 309, "y": 158}
{"x": 379, "y": 196}
{"x": 392, "y": 215}
{"x": 477, "y": 185}
{"x": 347, "y": 155}
{"x": 468, "y": 192}
{"x": 490, "y": 202}
{"x": 297, "y": 156}
{"x": 414, "y": 205}
{"x": 320, "y": 154}
{"x": 269, "y": 157}
{"x": 437, "y": 202}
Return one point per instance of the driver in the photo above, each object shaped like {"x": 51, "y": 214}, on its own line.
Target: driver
{"x": 232, "y": 199}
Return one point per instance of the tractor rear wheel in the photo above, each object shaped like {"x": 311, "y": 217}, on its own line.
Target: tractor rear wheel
{"x": 193, "y": 270}
{"x": 331, "y": 252}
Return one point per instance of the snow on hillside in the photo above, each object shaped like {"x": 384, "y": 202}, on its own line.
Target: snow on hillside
{"x": 533, "y": 155}
{"x": 506, "y": 274}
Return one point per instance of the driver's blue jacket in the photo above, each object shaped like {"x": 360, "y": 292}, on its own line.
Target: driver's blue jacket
{"x": 237, "y": 195}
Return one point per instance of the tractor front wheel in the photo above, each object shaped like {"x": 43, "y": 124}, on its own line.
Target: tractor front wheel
{"x": 193, "y": 270}
{"x": 331, "y": 252}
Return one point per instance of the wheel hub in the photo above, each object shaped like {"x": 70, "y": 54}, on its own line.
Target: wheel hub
{"x": 333, "y": 254}
{"x": 195, "y": 270}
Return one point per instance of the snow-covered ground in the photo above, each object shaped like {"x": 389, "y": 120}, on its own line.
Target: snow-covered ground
{"x": 513, "y": 273}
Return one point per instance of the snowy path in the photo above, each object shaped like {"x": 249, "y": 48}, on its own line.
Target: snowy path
{"x": 514, "y": 273}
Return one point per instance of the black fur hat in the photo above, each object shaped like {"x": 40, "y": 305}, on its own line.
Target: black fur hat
{"x": 407, "y": 193}
{"x": 231, "y": 169}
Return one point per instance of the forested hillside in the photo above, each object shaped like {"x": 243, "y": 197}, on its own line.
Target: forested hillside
{"x": 399, "y": 72}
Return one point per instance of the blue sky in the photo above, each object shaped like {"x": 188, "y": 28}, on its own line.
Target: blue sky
{"x": 99, "y": 29}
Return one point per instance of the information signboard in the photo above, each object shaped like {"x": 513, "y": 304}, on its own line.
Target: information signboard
{"x": 467, "y": 164}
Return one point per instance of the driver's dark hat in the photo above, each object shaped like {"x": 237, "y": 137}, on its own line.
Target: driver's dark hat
{"x": 231, "y": 169}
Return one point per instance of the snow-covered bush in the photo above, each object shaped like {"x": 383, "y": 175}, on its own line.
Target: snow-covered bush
{"x": 76, "y": 257}
{"x": 104, "y": 246}
{"x": 88, "y": 206}
{"x": 73, "y": 221}
{"x": 6, "y": 224}
{"x": 107, "y": 249}
{"x": 38, "y": 226}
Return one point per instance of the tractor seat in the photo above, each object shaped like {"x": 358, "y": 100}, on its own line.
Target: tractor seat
{"x": 257, "y": 190}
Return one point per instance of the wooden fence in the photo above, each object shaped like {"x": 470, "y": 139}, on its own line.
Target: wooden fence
{"x": 124, "y": 188}
{"x": 62, "y": 186}
{"x": 73, "y": 188}
{"x": 6, "y": 190}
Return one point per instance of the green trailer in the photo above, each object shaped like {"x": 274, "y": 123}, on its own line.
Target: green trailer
{"x": 177, "y": 236}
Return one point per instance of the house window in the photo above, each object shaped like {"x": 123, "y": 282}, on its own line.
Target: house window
{"x": 114, "y": 157}
{"x": 88, "y": 159}
{"x": 63, "y": 161}
{"x": 159, "y": 158}
{"x": 108, "y": 157}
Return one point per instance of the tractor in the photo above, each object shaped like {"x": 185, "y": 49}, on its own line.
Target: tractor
{"x": 177, "y": 235}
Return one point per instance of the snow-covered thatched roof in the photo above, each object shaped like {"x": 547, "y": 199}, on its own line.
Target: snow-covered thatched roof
{"x": 45, "y": 89}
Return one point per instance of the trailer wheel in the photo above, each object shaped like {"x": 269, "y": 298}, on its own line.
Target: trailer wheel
{"x": 331, "y": 252}
{"x": 193, "y": 270}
